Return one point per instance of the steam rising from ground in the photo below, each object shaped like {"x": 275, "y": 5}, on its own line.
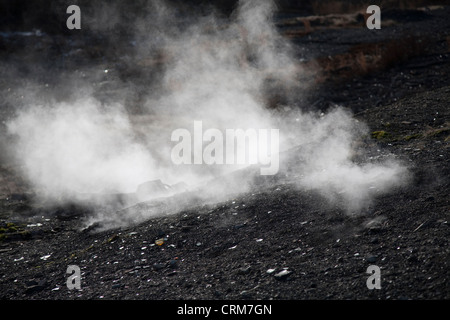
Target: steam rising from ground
{"x": 329, "y": 166}
{"x": 80, "y": 147}
{"x": 215, "y": 70}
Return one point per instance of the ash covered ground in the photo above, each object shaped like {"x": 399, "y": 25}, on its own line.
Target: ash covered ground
{"x": 240, "y": 235}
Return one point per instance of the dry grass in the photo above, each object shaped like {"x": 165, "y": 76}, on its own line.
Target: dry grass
{"x": 307, "y": 25}
{"x": 363, "y": 59}
{"x": 329, "y": 7}
{"x": 333, "y": 7}
{"x": 443, "y": 132}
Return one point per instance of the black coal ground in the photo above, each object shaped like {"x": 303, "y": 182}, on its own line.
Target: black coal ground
{"x": 227, "y": 250}
{"x": 234, "y": 249}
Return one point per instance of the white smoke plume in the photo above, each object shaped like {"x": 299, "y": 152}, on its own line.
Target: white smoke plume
{"x": 216, "y": 70}
{"x": 328, "y": 162}
{"x": 81, "y": 147}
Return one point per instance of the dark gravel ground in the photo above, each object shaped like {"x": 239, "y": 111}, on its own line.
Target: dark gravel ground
{"x": 238, "y": 247}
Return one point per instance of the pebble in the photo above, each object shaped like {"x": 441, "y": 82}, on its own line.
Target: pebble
{"x": 282, "y": 275}
{"x": 34, "y": 225}
{"x": 245, "y": 294}
{"x": 244, "y": 270}
{"x": 34, "y": 286}
{"x": 158, "y": 266}
{"x": 173, "y": 264}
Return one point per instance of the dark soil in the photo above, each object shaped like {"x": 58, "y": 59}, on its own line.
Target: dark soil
{"x": 236, "y": 248}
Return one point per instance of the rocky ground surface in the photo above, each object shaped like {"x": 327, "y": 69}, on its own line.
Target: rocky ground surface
{"x": 275, "y": 241}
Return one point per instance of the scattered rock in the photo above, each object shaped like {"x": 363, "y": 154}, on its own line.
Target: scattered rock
{"x": 244, "y": 270}
{"x": 245, "y": 294}
{"x": 283, "y": 275}
{"x": 158, "y": 266}
{"x": 33, "y": 286}
{"x": 270, "y": 271}
{"x": 375, "y": 225}
{"x": 173, "y": 264}
{"x": 152, "y": 189}
{"x": 113, "y": 238}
